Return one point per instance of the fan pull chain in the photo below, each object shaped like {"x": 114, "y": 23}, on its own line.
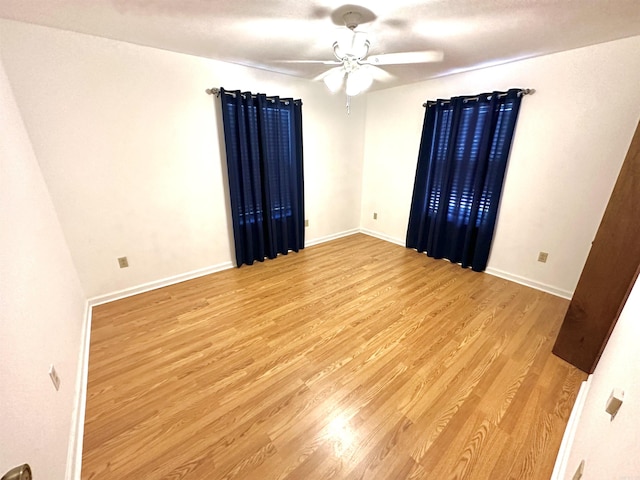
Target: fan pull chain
{"x": 348, "y": 105}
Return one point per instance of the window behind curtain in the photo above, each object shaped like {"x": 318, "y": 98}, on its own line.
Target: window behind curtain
{"x": 263, "y": 141}
{"x": 463, "y": 155}
{"x": 278, "y": 127}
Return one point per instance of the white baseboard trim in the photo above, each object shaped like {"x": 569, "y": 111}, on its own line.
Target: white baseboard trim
{"x": 530, "y": 283}
{"x": 74, "y": 456}
{"x": 382, "y": 236}
{"x": 562, "y": 460}
{"x": 165, "y": 282}
{"x": 328, "y": 238}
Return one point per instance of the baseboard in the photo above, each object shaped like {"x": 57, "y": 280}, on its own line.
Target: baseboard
{"x": 74, "y": 456}
{"x": 165, "y": 282}
{"x": 328, "y": 238}
{"x": 530, "y": 283}
{"x": 382, "y": 236}
{"x": 560, "y": 467}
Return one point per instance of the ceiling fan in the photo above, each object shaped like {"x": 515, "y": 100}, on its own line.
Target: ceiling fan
{"x": 355, "y": 68}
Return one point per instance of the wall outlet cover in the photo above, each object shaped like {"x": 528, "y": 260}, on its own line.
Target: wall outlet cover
{"x": 579, "y": 471}
{"x": 614, "y": 402}
{"x": 55, "y": 379}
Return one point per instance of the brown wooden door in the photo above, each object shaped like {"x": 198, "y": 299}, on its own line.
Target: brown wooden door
{"x": 609, "y": 272}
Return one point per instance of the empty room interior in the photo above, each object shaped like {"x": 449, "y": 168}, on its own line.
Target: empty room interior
{"x": 139, "y": 342}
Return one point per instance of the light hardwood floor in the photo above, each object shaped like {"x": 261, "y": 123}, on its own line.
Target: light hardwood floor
{"x": 351, "y": 359}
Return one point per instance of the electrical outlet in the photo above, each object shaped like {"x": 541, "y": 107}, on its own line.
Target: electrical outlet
{"x": 542, "y": 257}
{"x": 54, "y": 377}
{"x": 306, "y": 223}
{"x": 579, "y": 471}
{"x": 615, "y": 402}
{"x": 375, "y": 216}
{"x": 123, "y": 262}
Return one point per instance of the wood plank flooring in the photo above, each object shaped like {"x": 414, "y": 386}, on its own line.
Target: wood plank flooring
{"x": 353, "y": 359}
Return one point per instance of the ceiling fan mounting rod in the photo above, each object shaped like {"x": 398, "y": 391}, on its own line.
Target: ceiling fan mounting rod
{"x": 352, "y": 20}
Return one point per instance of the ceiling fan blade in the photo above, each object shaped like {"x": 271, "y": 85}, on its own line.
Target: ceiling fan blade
{"x": 322, "y": 62}
{"x": 327, "y": 73}
{"x": 405, "y": 57}
{"x": 379, "y": 74}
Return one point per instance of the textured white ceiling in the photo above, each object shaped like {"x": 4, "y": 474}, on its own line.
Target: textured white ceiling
{"x": 471, "y": 33}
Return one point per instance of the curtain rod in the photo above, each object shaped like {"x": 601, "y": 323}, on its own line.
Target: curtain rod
{"x": 524, "y": 91}
{"x": 216, "y": 91}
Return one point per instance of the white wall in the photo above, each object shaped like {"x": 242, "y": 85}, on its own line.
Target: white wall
{"x": 128, "y": 142}
{"x": 41, "y": 309}
{"x": 610, "y": 447}
{"x": 571, "y": 139}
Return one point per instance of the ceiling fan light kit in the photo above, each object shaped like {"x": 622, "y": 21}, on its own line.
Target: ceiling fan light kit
{"x": 358, "y": 81}
{"x": 350, "y": 49}
{"x": 334, "y": 79}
